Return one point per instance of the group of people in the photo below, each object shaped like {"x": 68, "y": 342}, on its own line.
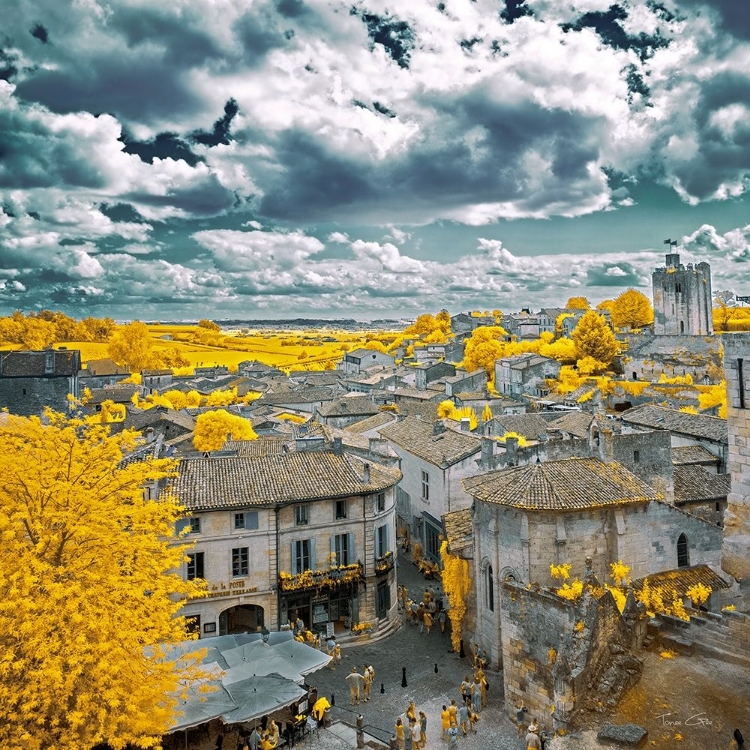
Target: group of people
{"x": 360, "y": 685}
{"x": 413, "y": 724}
{"x": 535, "y": 737}
{"x": 265, "y": 737}
{"x": 424, "y": 613}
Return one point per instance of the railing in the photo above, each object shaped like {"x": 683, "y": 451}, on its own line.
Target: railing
{"x": 319, "y": 579}
{"x": 385, "y": 563}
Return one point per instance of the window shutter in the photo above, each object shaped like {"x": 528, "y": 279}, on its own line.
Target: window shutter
{"x": 294, "y": 559}
{"x": 312, "y": 555}
{"x": 352, "y": 555}
{"x": 387, "y": 540}
{"x": 333, "y": 549}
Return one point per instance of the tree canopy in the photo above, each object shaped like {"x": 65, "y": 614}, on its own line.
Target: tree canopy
{"x": 594, "y": 338}
{"x": 632, "y": 309}
{"x": 214, "y": 428}
{"x": 578, "y": 303}
{"x": 88, "y": 588}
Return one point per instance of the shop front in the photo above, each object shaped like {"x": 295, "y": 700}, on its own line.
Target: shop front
{"x": 326, "y": 601}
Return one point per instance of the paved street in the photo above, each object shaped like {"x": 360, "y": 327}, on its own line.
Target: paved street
{"x": 419, "y": 654}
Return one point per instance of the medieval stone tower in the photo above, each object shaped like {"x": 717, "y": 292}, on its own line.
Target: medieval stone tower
{"x": 682, "y": 299}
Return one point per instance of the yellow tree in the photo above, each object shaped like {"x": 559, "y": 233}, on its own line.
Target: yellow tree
{"x": 577, "y": 303}
{"x": 214, "y": 428}
{"x": 88, "y": 589}
{"x": 594, "y": 338}
{"x": 132, "y": 347}
{"x": 456, "y": 584}
{"x": 632, "y": 309}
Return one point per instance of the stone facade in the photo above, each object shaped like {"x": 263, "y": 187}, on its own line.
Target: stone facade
{"x": 682, "y": 298}
{"x": 30, "y": 381}
{"x": 525, "y": 374}
{"x": 736, "y": 547}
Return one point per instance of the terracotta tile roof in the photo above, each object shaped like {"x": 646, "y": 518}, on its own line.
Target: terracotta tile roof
{"x": 459, "y": 529}
{"x": 693, "y": 483}
{"x": 425, "y": 395}
{"x": 377, "y": 420}
{"x": 100, "y": 367}
{"x": 142, "y": 419}
{"x": 661, "y": 418}
{"x": 302, "y": 396}
{"x": 693, "y": 454}
{"x": 571, "y": 484}
{"x": 117, "y": 393}
{"x": 348, "y": 406}
{"x": 417, "y": 437}
{"x": 237, "y": 481}
{"x": 263, "y": 446}
{"x": 25, "y": 364}
{"x": 531, "y": 426}
{"x": 576, "y": 423}
{"x": 677, "y": 582}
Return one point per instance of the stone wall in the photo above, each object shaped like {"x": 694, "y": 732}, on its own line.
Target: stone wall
{"x": 736, "y": 546}
{"x": 682, "y": 298}
{"x": 30, "y": 396}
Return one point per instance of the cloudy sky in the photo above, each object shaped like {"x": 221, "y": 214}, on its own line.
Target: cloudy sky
{"x": 275, "y": 158}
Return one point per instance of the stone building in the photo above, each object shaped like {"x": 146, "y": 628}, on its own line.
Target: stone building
{"x": 525, "y": 374}
{"x": 359, "y": 360}
{"x": 279, "y": 535}
{"x": 527, "y": 517}
{"x": 736, "y": 546}
{"x": 31, "y": 381}
{"x": 682, "y": 298}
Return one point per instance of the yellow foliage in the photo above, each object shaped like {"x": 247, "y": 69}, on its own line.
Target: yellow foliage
{"x": 112, "y": 412}
{"x": 445, "y": 409}
{"x": 572, "y": 592}
{"x": 563, "y": 350}
{"x": 522, "y": 442}
{"x": 296, "y": 418}
{"x": 559, "y": 572}
{"x": 668, "y": 654}
{"x": 699, "y": 593}
{"x": 729, "y": 608}
{"x": 688, "y": 410}
{"x": 594, "y": 338}
{"x": 620, "y": 573}
{"x": 578, "y": 303}
{"x": 89, "y": 588}
{"x": 568, "y": 380}
{"x": 590, "y": 366}
{"x": 486, "y": 413}
{"x": 714, "y": 395}
{"x": 214, "y": 428}
{"x": 222, "y": 397}
{"x": 618, "y": 596}
{"x": 633, "y": 387}
{"x": 456, "y": 584}
{"x": 632, "y": 309}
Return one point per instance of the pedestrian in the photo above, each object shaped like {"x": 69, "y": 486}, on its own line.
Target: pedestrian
{"x": 466, "y": 689}
{"x": 533, "y": 726}
{"x": 423, "y": 729}
{"x": 473, "y": 719}
{"x": 532, "y": 741}
{"x": 431, "y": 607}
{"x": 426, "y": 597}
{"x": 408, "y": 611}
{"x": 254, "y": 739}
{"x": 476, "y": 696}
{"x": 441, "y": 618}
{"x": 543, "y": 738}
{"x": 416, "y": 732}
{"x": 428, "y": 621}
{"x": 400, "y": 734}
{"x": 520, "y": 720}
{"x": 453, "y": 736}
{"x": 337, "y": 654}
{"x": 453, "y": 710}
{"x": 463, "y": 718}
{"x": 482, "y": 679}
{"x": 356, "y": 684}
{"x": 367, "y": 683}
{"x": 445, "y": 722}
{"x": 411, "y": 712}
{"x": 273, "y": 733}
{"x": 420, "y": 617}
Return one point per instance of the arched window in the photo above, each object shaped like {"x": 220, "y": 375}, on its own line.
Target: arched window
{"x": 683, "y": 560}
{"x": 490, "y": 590}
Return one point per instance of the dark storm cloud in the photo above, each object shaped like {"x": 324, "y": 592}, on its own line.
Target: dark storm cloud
{"x": 724, "y": 146}
{"x": 120, "y": 212}
{"x": 612, "y": 274}
{"x": 8, "y": 67}
{"x": 259, "y": 33}
{"x": 734, "y": 15}
{"x": 383, "y": 109}
{"x": 220, "y": 133}
{"x": 163, "y": 146}
{"x": 636, "y": 85}
{"x": 607, "y": 25}
{"x": 291, "y": 8}
{"x": 395, "y": 36}
{"x": 40, "y": 33}
{"x": 515, "y": 9}
{"x": 126, "y": 87}
{"x": 208, "y": 198}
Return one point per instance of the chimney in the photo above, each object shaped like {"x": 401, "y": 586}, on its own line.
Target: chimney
{"x": 338, "y": 448}
{"x": 149, "y": 434}
{"x": 606, "y": 446}
{"x": 511, "y": 449}
{"x": 438, "y": 428}
{"x": 366, "y": 476}
{"x": 487, "y": 452}
{"x": 465, "y": 424}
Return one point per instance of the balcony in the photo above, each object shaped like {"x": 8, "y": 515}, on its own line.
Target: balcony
{"x": 319, "y": 580}
{"x": 385, "y": 563}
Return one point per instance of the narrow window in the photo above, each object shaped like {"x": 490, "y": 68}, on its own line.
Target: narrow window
{"x": 195, "y": 525}
{"x": 425, "y": 486}
{"x": 741, "y": 379}
{"x": 490, "y": 590}
{"x": 340, "y": 510}
{"x": 341, "y": 547}
{"x": 682, "y": 326}
{"x": 195, "y": 566}
{"x": 380, "y": 502}
{"x": 240, "y": 565}
{"x": 301, "y": 515}
{"x": 24, "y": 391}
{"x": 683, "y": 560}
{"x": 636, "y": 457}
{"x": 239, "y": 520}
{"x": 302, "y": 555}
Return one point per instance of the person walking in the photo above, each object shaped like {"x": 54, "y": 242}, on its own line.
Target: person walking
{"x": 453, "y": 710}
{"x": 473, "y": 719}
{"x": 445, "y": 722}
{"x": 416, "y": 732}
{"x": 428, "y": 621}
{"x": 408, "y": 611}
{"x": 400, "y": 734}
{"x": 466, "y": 689}
{"x": 423, "y": 729}
{"x": 463, "y": 718}
{"x": 476, "y": 696}
{"x": 254, "y": 739}
{"x": 520, "y": 720}
{"x": 482, "y": 679}
{"x": 441, "y": 618}
{"x": 532, "y": 741}
{"x": 356, "y": 685}
{"x": 420, "y": 617}
{"x": 453, "y": 736}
